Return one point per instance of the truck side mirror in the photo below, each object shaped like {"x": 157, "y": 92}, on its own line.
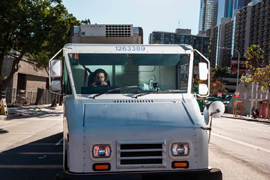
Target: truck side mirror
{"x": 216, "y": 109}
{"x": 55, "y": 75}
{"x": 56, "y": 68}
{"x": 203, "y": 71}
{"x": 203, "y": 89}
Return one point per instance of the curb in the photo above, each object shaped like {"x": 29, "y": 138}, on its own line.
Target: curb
{"x": 246, "y": 119}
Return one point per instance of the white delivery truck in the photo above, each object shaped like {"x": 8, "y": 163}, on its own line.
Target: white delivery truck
{"x": 130, "y": 112}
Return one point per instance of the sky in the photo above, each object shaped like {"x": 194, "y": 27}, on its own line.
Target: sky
{"x": 151, "y": 15}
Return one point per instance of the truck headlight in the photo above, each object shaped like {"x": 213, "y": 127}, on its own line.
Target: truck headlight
{"x": 180, "y": 149}
{"x": 102, "y": 151}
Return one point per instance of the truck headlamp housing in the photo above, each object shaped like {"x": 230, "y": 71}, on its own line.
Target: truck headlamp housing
{"x": 180, "y": 149}
{"x": 101, "y": 151}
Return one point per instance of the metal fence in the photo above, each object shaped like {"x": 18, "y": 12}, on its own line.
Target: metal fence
{"x": 44, "y": 96}
{"x": 18, "y": 97}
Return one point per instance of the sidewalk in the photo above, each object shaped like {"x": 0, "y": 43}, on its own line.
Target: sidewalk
{"x": 246, "y": 118}
{"x": 29, "y": 111}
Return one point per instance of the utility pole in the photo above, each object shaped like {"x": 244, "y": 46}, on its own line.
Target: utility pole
{"x": 237, "y": 74}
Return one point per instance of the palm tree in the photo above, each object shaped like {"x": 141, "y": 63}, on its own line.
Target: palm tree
{"x": 220, "y": 72}
{"x": 254, "y": 53}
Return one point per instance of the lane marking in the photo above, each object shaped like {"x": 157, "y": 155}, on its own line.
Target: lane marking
{"x": 241, "y": 126}
{"x": 243, "y": 143}
{"x": 13, "y": 124}
{"x": 26, "y": 120}
{"x": 59, "y": 142}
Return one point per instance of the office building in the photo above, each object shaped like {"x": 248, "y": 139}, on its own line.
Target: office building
{"x": 208, "y": 14}
{"x": 252, "y": 27}
{"x": 228, "y": 39}
{"x": 226, "y": 7}
{"x": 211, "y": 11}
{"x": 220, "y": 37}
{"x": 236, "y": 32}
{"x": 183, "y": 36}
{"x": 213, "y": 34}
{"x": 239, "y": 4}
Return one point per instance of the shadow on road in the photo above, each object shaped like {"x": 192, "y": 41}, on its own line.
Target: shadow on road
{"x": 3, "y": 131}
{"x": 40, "y": 159}
{"x": 28, "y": 112}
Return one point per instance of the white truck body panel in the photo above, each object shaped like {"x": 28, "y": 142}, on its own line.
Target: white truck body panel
{"x": 121, "y": 120}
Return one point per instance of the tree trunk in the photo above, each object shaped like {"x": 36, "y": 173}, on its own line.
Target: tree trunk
{"x": 14, "y": 69}
{"x": 254, "y": 64}
{"x": 1, "y": 65}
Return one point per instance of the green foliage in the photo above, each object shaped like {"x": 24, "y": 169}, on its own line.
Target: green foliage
{"x": 216, "y": 86}
{"x": 254, "y": 53}
{"x": 220, "y": 72}
{"x": 60, "y": 22}
{"x": 260, "y": 76}
{"x": 86, "y": 21}
{"x": 36, "y": 28}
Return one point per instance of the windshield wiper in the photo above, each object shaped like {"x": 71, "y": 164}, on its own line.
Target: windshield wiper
{"x": 116, "y": 89}
{"x": 154, "y": 92}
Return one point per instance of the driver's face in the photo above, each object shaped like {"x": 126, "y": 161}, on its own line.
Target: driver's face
{"x": 100, "y": 77}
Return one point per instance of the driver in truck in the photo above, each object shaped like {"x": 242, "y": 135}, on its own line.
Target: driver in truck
{"x": 100, "y": 77}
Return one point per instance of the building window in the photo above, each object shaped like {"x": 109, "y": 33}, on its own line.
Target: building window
{"x": 197, "y": 45}
{"x": 206, "y": 42}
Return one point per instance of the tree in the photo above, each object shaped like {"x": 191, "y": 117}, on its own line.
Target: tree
{"x": 216, "y": 85}
{"x": 36, "y": 28}
{"x": 260, "y": 76}
{"x": 86, "y": 21}
{"x": 220, "y": 72}
{"x": 254, "y": 53}
{"x": 50, "y": 47}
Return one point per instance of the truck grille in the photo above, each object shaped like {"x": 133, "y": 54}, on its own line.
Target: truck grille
{"x": 141, "y": 154}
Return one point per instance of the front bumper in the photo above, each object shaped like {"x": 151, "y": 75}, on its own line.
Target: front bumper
{"x": 213, "y": 174}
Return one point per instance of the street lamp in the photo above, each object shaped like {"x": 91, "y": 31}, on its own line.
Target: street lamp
{"x": 237, "y": 70}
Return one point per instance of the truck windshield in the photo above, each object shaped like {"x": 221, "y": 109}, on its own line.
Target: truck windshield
{"x": 98, "y": 73}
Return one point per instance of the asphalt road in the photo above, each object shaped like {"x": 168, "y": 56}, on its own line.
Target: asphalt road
{"x": 241, "y": 149}
{"x": 31, "y": 146}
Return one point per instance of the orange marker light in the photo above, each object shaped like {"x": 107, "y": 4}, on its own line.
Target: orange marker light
{"x": 101, "y": 167}
{"x": 180, "y": 164}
